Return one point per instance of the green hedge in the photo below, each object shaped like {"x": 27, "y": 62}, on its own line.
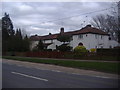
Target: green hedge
{"x": 113, "y": 51}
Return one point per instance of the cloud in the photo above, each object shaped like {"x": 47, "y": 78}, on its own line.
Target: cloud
{"x": 44, "y": 17}
{"x": 25, "y": 8}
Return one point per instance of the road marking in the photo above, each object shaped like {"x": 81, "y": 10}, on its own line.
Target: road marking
{"x": 29, "y": 76}
{"x": 91, "y": 75}
{"x": 55, "y": 71}
{"x": 101, "y": 77}
{"x": 76, "y": 74}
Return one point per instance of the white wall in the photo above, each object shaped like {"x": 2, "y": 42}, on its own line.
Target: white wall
{"x": 55, "y": 42}
{"x": 92, "y": 41}
{"x": 88, "y": 40}
{"x": 47, "y": 41}
{"x": 33, "y": 44}
{"x": 113, "y": 43}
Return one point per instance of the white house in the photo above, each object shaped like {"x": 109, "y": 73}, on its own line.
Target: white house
{"x": 90, "y": 37}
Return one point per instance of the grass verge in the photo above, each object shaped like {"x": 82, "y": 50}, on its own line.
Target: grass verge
{"x": 99, "y": 66}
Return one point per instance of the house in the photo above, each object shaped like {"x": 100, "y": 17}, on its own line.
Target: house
{"x": 89, "y": 36}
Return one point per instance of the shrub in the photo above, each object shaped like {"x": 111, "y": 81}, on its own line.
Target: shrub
{"x": 64, "y": 47}
{"x": 92, "y": 50}
{"x": 80, "y": 51}
{"x": 47, "y": 50}
{"x": 108, "y": 51}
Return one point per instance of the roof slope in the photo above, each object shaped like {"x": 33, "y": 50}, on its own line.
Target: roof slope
{"x": 90, "y": 30}
{"x": 87, "y": 29}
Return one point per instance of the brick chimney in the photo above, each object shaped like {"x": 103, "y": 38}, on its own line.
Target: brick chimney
{"x": 50, "y": 33}
{"x": 88, "y": 25}
{"x": 62, "y": 30}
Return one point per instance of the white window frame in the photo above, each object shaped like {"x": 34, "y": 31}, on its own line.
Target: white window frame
{"x": 80, "y": 36}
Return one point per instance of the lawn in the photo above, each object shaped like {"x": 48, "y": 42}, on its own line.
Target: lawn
{"x": 108, "y": 67}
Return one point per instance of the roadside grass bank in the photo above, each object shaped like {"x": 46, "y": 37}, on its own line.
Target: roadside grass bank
{"x": 109, "y": 67}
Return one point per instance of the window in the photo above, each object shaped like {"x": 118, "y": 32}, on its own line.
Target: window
{"x": 110, "y": 46}
{"x": 101, "y": 36}
{"x": 96, "y": 36}
{"x": 109, "y": 38}
{"x": 80, "y": 36}
{"x": 95, "y": 46}
{"x": 51, "y": 40}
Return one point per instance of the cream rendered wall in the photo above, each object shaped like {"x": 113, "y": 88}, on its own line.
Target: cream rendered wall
{"x": 55, "y": 42}
{"x": 88, "y": 40}
{"x": 33, "y": 44}
{"x": 47, "y": 41}
{"x": 91, "y": 41}
{"x": 113, "y": 43}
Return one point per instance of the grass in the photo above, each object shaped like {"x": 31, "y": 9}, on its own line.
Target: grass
{"x": 99, "y": 66}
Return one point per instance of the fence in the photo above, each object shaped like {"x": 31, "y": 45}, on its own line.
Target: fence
{"x": 100, "y": 55}
{"x": 47, "y": 54}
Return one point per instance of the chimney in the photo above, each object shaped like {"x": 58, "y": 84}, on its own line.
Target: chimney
{"x": 50, "y": 33}
{"x": 61, "y": 30}
{"x": 88, "y": 25}
{"x": 36, "y": 35}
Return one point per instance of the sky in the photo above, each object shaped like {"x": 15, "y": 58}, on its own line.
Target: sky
{"x": 42, "y": 18}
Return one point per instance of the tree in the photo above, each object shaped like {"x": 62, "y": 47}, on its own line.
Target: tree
{"x": 7, "y": 33}
{"x": 109, "y": 23}
{"x": 18, "y": 41}
{"x": 7, "y": 24}
{"x": 64, "y": 38}
{"x": 40, "y": 45}
{"x": 21, "y": 43}
{"x": 18, "y": 34}
{"x": 13, "y": 41}
{"x": 26, "y": 43}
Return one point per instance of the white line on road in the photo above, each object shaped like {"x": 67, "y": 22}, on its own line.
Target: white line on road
{"x": 29, "y": 76}
{"x": 102, "y": 77}
{"x": 55, "y": 71}
{"x": 92, "y": 75}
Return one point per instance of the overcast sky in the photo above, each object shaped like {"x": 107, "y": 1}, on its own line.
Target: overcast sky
{"x": 48, "y": 17}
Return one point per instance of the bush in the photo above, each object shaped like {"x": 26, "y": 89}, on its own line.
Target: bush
{"x": 47, "y": 50}
{"x": 64, "y": 48}
{"x": 108, "y": 51}
{"x": 92, "y": 50}
{"x": 80, "y": 51}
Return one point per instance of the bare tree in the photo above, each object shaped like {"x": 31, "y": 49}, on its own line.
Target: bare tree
{"x": 109, "y": 23}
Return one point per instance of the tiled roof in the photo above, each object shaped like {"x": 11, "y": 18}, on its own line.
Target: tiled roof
{"x": 87, "y": 29}
{"x": 90, "y": 30}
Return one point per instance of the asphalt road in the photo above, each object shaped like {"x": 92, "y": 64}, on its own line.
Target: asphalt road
{"x": 15, "y": 76}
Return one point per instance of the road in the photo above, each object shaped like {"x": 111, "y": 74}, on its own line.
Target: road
{"x": 16, "y": 76}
